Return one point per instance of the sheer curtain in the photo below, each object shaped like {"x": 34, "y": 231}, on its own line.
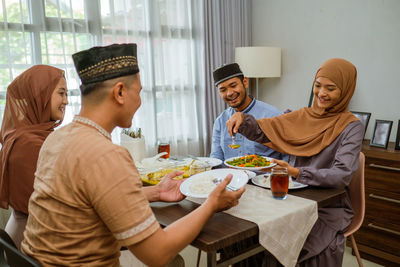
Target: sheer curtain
{"x": 163, "y": 30}
{"x": 227, "y": 24}
{"x": 166, "y": 31}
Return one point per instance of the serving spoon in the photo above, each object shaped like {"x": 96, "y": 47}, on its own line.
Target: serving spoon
{"x": 152, "y": 160}
{"x": 233, "y": 145}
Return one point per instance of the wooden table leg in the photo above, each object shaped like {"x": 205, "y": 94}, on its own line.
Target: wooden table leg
{"x": 211, "y": 259}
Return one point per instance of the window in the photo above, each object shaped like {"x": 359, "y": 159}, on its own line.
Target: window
{"x": 50, "y": 31}
{"x": 42, "y": 32}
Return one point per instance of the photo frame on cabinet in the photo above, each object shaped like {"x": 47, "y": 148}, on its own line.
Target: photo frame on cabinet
{"x": 397, "y": 145}
{"x": 363, "y": 117}
{"x": 381, "y": 134}
{"x": 311, "y": 98}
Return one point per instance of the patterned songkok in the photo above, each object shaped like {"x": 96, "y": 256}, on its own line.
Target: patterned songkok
{"x": 101, "y": 63}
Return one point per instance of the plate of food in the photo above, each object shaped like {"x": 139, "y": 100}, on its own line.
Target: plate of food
{"x": 249, "y": 162}
{"x": 202, "y": 184}
{"x": 154, "y": 176}
{"x": 264, "y": 181}
{"x": 212, "y": 162}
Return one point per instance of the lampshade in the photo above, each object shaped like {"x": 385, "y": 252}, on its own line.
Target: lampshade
{"x": 259, "y": 61}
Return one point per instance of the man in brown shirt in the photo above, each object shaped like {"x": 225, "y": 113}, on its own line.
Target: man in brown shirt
{"x": 88, "y": 198}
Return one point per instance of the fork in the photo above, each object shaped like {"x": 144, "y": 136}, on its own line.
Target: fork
{"x": 231, "y": 188}
{"x": 228, "y": 187}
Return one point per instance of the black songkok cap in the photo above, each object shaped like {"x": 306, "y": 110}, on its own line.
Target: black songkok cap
{"x": 226, "y": 72}
{"x": 101, "y": 63}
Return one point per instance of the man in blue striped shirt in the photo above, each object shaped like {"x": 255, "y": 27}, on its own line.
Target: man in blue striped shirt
{"x": 232, "y": 86}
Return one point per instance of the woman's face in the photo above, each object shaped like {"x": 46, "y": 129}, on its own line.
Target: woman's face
{"x": 326, "y": 92}
{"x": 59, "y": 100}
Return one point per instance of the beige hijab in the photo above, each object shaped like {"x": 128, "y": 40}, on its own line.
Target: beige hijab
{"x": 26, "y": 124}
{"x": 307, "y": 131}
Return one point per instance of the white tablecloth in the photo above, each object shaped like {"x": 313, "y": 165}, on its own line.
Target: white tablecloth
{"x": 283, "y": 224}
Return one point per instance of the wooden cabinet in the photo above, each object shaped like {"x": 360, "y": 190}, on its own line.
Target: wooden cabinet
{"x": 378, "y": 239}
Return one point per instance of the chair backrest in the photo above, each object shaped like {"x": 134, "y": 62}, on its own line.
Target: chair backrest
{"x": 4, "y": 235}
{"x": 10, "y": 256}
{"x": 357, "y": 196}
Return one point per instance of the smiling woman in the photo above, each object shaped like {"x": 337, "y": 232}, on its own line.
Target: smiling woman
{"x": 59, "y": 99}
{"x": 324, "y": 142}
{"x": 35, "y": 106}
{"x": 328, "y": 94}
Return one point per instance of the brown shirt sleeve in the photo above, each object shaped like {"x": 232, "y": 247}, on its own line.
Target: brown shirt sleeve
{"x": 114, "y": 188}
{"x": 252, "y": 131}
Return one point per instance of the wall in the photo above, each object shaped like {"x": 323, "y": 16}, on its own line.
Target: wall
{"x": 4, "y": 215}
{"x": 365, "y": 32}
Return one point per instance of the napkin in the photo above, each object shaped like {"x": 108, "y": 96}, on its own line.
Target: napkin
{"x": 135, "y": 146}
{"x": 283, "y": 224}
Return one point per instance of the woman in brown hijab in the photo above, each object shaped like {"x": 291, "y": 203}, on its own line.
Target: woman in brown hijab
{"x": 35, "y": 105}
{"x": 324, "y": 142}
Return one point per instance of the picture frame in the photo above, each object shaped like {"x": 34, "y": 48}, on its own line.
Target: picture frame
{"x": 311, "y": 98}
{"x": 363, "y": 117}
{"x": 397, "y": 145}
{"x": 381, "y": 134}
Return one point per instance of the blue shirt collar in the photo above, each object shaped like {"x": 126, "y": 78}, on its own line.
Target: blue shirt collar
{"x": 249, "y": 107}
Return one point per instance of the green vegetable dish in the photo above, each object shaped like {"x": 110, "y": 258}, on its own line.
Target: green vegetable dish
{"x": 250, "y": 161}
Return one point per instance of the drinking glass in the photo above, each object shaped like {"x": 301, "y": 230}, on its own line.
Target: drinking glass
{"x": 163, "y": 146}
{"x": 279, "y": 182}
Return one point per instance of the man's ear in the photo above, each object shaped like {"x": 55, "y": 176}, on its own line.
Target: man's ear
{"x": 119, "y": 91}
{"x": 245, "y": 83}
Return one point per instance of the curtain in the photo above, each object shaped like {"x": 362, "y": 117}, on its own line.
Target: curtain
{"x": 166, "y": 31}
{"x": 163, "y": 30}
{"x": 227, "y": 24}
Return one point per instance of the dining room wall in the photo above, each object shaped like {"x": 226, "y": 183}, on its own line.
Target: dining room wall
{"x": 365, "y": 32}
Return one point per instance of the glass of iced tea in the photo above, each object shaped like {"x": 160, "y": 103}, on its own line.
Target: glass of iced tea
{"x": 163, "y": 146}
{"x": 279, "y": 182}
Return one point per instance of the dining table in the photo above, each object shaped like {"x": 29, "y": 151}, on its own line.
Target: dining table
{"x": 223, "y": 230}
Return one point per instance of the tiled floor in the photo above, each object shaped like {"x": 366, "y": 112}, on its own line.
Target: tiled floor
{"x": 190, "y": 256}
{"x": 351, "y": 261}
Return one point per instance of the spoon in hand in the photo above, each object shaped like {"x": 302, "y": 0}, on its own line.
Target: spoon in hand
{"x": 233, "y": 145}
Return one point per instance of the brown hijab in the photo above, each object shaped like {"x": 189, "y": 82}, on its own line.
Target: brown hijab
{"x": 307, "y": 131}
{"x": 26, "y": 124}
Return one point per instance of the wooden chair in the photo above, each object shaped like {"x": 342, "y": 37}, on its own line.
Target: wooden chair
{"x": 10, "y": 256}
{"x": 357, "y": 195}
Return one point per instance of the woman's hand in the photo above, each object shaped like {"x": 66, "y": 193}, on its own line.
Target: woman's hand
{"x": 169, "y": 188}
{"x": 234, "y": 122}
{"x": 294, "y": 172}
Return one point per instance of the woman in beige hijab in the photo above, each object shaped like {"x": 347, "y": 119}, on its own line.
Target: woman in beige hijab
{"x": 35, "y": 105}
{"x": 324, "y": 142}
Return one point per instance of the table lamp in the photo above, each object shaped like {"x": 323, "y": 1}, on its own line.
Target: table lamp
{"x": 259, "y": 62}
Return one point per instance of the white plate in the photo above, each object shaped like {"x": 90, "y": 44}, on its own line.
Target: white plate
{"x": 248, "y": 168}
{"x": 210, "y": 161}
{"x": 263, "y": 181}
{"x": 250, "y": 174}
{"x": 239, "y": 179}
